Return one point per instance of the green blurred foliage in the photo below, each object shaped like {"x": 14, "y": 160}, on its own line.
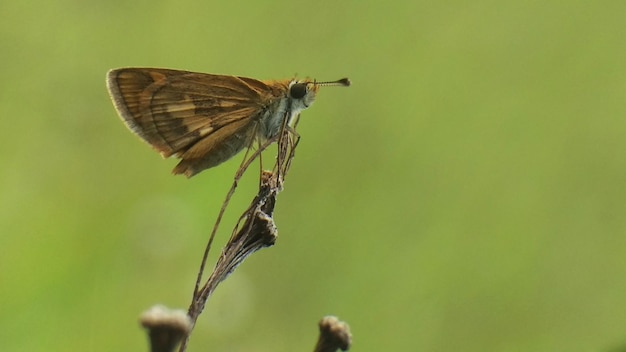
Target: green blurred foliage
{"x": 467, "y": 193}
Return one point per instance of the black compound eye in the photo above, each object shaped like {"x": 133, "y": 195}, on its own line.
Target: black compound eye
{"x": 298, "y": 90}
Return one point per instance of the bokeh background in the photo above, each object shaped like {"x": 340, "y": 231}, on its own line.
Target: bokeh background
{"x": 467, "y": 193}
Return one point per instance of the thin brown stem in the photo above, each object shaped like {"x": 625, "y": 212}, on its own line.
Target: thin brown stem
{"x": 257, "y": 230}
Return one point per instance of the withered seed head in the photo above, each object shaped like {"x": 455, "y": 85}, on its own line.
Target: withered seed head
{"x": 166, "y": 327}
{"x": 334, "y": 334}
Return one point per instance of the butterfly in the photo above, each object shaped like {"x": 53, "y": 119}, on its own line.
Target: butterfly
{"x": 205, "y": 119}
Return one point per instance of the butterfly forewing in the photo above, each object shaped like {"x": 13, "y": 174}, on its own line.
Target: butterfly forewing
{"x": 190, "y": 114}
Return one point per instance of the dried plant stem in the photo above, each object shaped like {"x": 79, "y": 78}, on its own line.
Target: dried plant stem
{"x": 258, "y": 229}
{"x": 242, "y": 168}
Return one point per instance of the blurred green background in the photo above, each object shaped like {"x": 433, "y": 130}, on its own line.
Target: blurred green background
{"x": 467, "y": 193}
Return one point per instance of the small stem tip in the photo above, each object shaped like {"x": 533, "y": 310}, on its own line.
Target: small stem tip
{"x": 334, "y": 335}
{"x": 166, "y": 327}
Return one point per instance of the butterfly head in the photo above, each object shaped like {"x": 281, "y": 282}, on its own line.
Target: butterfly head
{"x": 303, "y": 92}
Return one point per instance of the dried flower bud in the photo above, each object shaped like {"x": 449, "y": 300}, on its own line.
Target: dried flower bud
{"x": 166, "y": 327}
{"x": 334, "y": 335}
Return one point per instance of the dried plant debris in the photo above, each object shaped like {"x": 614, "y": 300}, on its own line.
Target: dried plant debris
{"x": 166, "y": 327}
{"x": 334, "y": 335}
{"x": 257, "y": 231}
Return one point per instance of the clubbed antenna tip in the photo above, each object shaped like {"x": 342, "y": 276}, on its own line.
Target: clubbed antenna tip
{"x": 344, "y": 82}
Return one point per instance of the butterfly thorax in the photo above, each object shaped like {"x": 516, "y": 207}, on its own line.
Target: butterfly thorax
{"x": 285, "y": 107}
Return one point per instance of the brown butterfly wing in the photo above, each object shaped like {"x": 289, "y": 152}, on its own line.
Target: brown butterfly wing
{"x": 203, "y": 119}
